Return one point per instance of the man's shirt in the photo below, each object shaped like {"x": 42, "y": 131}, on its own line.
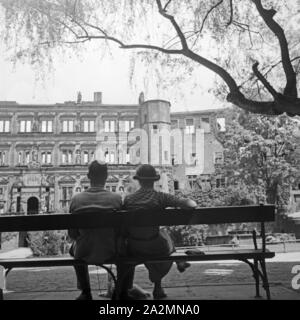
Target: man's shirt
{"x": 94, "y": 245}
{"x": 148, "y": 199}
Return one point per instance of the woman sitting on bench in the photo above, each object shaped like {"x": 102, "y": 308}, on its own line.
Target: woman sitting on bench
{"x": 152, "y": 241}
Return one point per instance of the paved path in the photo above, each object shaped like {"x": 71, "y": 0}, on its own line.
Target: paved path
{"x": 207, "y": 280}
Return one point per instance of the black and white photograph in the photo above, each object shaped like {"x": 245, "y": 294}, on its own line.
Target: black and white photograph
{"x": 149, "y": 151}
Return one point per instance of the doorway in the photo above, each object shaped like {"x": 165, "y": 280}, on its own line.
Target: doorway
{"x": 32, "y": 206}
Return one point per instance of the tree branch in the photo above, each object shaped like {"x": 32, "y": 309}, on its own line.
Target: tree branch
{"x": 166, "y": 5}
{"x": 207, "y": 14}
{"x": 132, "y": 46}
{"x": 231, "y": 13}
{"x": 267, "y": 15}
{"x": 228, "y": 79}
{"x": 180, "y": 34}
{"x": 264, "y": 81}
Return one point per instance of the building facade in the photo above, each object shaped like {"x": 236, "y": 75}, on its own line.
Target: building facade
{"x": 45, "y": 149}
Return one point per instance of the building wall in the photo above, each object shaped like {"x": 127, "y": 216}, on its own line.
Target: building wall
{"x": 122, "y": 135}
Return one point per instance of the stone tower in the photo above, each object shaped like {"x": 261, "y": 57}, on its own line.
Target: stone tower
{"x": 155, "y": 122}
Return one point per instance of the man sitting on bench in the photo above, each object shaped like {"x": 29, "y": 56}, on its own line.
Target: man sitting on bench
{"x": 94, "y": 246}
{"x": 152, "y": 241}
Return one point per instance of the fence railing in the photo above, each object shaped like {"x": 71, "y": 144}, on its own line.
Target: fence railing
{"x": 279, "y": 246}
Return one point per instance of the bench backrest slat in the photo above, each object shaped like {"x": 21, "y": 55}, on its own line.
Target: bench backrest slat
{"x": 95, "y": 218}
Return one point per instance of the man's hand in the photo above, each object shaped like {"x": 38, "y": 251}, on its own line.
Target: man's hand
{"x": 187, "y": 204}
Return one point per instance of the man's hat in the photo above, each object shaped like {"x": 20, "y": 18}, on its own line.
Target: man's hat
{"x": 146, "y": 172}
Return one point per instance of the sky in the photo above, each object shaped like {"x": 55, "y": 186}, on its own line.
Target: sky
{"x": 90, "y": 73}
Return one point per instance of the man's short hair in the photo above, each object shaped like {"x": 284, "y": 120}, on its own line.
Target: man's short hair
{"x": 97, "y": 171}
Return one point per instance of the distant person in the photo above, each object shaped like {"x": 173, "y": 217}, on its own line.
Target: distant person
{"x": 152, "y": 241}
{"x": 95, "y": 246}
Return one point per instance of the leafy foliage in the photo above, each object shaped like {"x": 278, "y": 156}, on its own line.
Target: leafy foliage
{"x": 260, "y": 154}
{"x": 196, "y": 235}
{"x": 253, "y": 55}
{"x": 47, "y": 243}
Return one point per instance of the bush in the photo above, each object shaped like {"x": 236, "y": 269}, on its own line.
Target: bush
{"x": 186, "y": 236}
{"x": 47, "y": 243}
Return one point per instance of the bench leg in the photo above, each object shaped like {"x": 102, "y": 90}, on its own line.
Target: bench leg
{"x": 256, "y": 274}
{"x": 256, "y": 277}
{"x": 265, "y": 278}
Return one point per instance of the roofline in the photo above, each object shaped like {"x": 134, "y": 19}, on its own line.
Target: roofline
{"x": 66, "y": 104}
{"x": 199, "y": 111}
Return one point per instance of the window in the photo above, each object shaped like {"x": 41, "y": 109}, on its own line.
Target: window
{"x": 2, "y": 158}
{"x": 129, "y": 125}
{"x": 155, "y": 128}
{"x": 176, "y": 185}
{"x": 109, "y": 126}
{"x": 189, "y": 126}
{"x": 113, "y": 188}
{"x": 218, "y": 158}
{"x": 89, "y": 125}
{"x": 109, "y": 156}
{"x": 46, "y": 157}
{"x": 192, "y": 179}
{"x": 127, "y": 157}
{"x": 92, "y": 156}
{"x": 205, "y": 125}
{"x": 166, "y": 155}
{"x": 106, "y": 156}
{"x": 47, "y": 125}
{"x": 193, "y": 159}
{"x": 67, "y": 193}
{"x": 78, "y": 190}
{"x": 221, "y": 124}
{"x": 67, "y": 156}
{"x": 18, "y": 204}
{"x": 174, "y": 124}
{"x": 1, "y": 190}
{"x": 138, "y": 152}
{"x": 27, "y": 157}
{"x": 20, "y": 158}
{"x": 112, "y": 157}
{"x": 4, "y": 125}
{"x": 25, "y": 125}
{"x": 68, "y": 126}
{"x": 85, "y": 157}
{"x": 220, "y": 182}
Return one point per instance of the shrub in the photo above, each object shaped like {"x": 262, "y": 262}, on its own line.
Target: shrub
{"x": 47, "y": 243}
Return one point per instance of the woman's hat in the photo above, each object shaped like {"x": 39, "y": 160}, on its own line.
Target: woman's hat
{"x": 146, "y": 172}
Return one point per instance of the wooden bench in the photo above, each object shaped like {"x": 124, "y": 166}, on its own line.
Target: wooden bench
{"x": 255, "y": 257}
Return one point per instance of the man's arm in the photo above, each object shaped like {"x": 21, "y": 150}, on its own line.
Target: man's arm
{"x": 170, "y": 200}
